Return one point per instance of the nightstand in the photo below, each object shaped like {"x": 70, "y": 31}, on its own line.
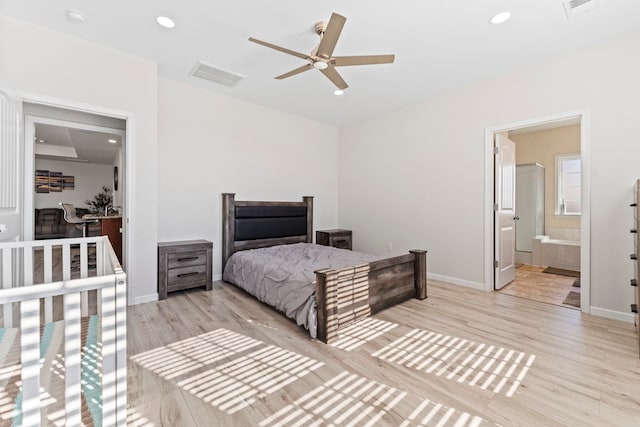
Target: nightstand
{"x": 336, "y": 238}
{"x": 184, "y": 265}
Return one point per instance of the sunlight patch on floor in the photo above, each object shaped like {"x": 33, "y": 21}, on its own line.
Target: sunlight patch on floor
{"x": 135, "y": 419}
{"x": 226, "y": 369}
{"x": 430, "y": 413}
{"x": 361, "y": 332}
{"x": 487, "y": 366}
{"x": 243, "y": 381}
{"x": 179, "y": 358}
{"x": 352, "y": 400}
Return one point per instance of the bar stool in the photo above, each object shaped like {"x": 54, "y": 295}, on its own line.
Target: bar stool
{"x": 71, "y": 217}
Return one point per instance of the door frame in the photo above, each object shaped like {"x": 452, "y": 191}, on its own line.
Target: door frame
{"x": 585, "y": 218}
{"x": 29, "y": 164}
{"x": 128, "y": 222}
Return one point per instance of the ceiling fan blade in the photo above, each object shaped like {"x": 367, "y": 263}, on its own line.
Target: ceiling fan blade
{"x": 331, "y": 35}
{"x": 344, "y": 61}
{"x": 335, "y": 78}
{"x": 281, "y": 49}
{"x": 298, "y": 70}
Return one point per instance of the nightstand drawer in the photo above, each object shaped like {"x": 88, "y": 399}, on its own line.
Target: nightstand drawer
{"x": 186, "y": 259}
{"x": 187, "y": 275}
{"x": 342, "y": 242}
{"x": 337, "y": 238}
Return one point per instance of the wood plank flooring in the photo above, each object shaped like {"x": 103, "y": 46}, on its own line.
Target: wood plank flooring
{"x": 461, "y": 358}
{"x": 533, "y": 284}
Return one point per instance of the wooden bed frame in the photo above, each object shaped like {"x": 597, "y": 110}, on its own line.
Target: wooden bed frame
{"x": 342, "y": 296}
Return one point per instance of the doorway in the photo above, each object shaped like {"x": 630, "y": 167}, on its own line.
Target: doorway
{"x": 537, "y": 247}
{"x": 77, "y": 160}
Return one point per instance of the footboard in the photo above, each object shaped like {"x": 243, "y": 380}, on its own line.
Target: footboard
{"x": 353, "y": 293}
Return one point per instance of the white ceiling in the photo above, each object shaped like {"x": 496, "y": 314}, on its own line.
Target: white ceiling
{"x": 439, "y": 44}
{"x": 90, "y": 146}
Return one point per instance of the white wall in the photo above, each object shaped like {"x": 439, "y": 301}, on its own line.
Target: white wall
{"x": 89, "y": 179}
{"x": 35, "y": 60}
{"x": 209, "y": 144}
{"x": 415, "y": 177}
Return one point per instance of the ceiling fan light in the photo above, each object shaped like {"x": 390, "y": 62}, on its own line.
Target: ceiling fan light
{"x": 320, "y": 65}
{"x": 338, "y": 92}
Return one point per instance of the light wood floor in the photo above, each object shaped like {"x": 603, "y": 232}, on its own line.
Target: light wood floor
{"x": 533, "y": 284}
{"x": 462, "y": 357}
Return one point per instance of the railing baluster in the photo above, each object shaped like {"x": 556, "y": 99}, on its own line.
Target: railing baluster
{"x": 100, "y": 259}
{"x": 7, "y": 283}
{"x": 28, "y": 267}
{"x": 48, "y": 278}
{"x": 100, "y": 270}
{"x": 84, "y": 272}
{"x": 30, "y": 358}
{"x": 72, "y": 354}
{"x": 108, "y": 316}
{"x": 121, "y": 348}
{"x": 66, "y": 261}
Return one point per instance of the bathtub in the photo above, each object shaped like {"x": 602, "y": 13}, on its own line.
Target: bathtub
{"x": 556, "y": 253}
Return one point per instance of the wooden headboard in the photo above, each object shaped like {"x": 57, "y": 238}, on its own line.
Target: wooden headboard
{"x": 255, "y": 224}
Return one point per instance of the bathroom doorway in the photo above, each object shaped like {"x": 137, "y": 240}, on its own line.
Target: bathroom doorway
{"x": 538, "y": 251}
{"x": 548, "y": 207}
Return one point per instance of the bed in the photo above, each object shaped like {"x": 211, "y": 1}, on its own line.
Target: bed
{"x": 342, "y": 287}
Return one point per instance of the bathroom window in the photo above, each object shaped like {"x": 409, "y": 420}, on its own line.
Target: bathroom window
{"x": 568, "y": 178}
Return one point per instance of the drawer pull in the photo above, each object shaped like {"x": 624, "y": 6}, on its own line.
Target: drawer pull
{"x": 633, "y": 256}
{"x": 191, "y": 258}
{"x": 633, "y": 230}
{"x": 633, "y": 205}
{"x": 634, "y": 308}
{"x": 633, "y": 282}
{"x": 340, "y": 241}
{"x": 194, "y": 273}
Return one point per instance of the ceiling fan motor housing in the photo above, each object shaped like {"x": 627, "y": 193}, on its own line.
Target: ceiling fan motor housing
{"x": 320, "y": 27}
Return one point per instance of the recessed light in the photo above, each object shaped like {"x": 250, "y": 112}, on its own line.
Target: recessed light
{"x": 338, "y": 92}
{"x": 165, "y": 22}
{"x": 76, "y": 16}
{"x": 42, "y": 141}
{"x": 113, "y": 141}
{"x": 501, "y": 17}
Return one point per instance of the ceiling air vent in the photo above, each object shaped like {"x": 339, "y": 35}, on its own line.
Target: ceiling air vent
{"x": 578, "y": 7}
{"x": 216, "y": 75}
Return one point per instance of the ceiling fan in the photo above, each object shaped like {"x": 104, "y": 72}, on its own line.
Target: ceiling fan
{"x": 321, "y": 57}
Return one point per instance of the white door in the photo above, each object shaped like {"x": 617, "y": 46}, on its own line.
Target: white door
{"x": 505, "y": 211}
{"x": 10, "y": 166}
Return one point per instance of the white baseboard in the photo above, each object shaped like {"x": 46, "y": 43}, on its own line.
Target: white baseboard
{"x": 611, "y": 314}
{"x": 454, "y": 281}
{"x": 217, "y": 277}
{"x": 145, "y": 298}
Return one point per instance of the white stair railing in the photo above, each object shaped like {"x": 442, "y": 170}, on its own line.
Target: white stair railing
{"x": 110, "y": 283}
